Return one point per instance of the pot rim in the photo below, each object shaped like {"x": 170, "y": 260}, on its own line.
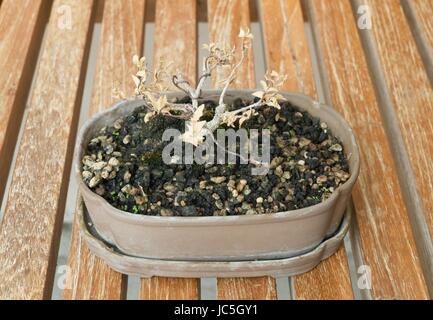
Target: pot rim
{"x": 221, "y": 220}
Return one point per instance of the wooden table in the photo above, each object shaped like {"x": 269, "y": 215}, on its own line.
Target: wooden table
{"x": 380, "y": 79}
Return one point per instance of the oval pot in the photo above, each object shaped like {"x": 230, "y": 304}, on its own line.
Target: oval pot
{"x": 231, "y": 238}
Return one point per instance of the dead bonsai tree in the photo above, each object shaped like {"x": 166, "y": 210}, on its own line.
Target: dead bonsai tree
{"x": 151, "y": 89}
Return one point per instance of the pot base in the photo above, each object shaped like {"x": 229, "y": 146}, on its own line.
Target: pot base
{"x": 143, "y": 267}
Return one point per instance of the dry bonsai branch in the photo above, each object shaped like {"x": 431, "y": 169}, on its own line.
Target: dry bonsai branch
{"x": 183, "y": 84}
{"x": 247, "y": 108}
{"x": 220, "y": 109}
{"x": 152, "y": 91}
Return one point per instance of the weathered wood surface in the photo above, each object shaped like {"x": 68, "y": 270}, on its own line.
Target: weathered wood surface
{"x": 225, "y": 20}
{"x": 175, "y": 42}
{"x": 17, "y": 63}
{"x": 287, "y": 52}
{"x": 388, "y": 246}
{"x": 121, "y": 37}
{"x": 259, "y": 288}
{"x": 411, "y": 100}
{"x": 176, "y": 36}
{"x": 32, "y": 221}
{"x": 161, "y": 288}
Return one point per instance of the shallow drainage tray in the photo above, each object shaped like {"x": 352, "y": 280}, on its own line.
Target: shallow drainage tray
{"x": 145, "y": 267}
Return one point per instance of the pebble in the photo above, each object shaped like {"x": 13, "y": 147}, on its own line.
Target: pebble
{"x": 113, "y": 162}
{"x": 321, "y": 179}
{"x": 118, "y": 124}
{"x": 241, "y": 184}
{"x": 303, "y": 142}
{"x": 279, "y": 171}
{"x": 202, "y": 184}
{"x": 336, "y": 147}
{"x": 127, "y": 176}
{"x": 129, "y": 190}
{"x": 259, "y": 200}
{"x": 215, "y": 196}
{"x": 166, "y": 212}
{"x": 105, "y": 174}
{"x": 126, "y": 139}
{"x": 109, "y": 149}
{"x": 276, "y": 162}
{"x": 246, "y": 206}
{"x": 218, "y": 180}
{"x": 286, "y": 175}
{"x": 94, "y": 181}
{"x": 98, "y": 165}
{"x": 231, "y": 184}
{"x": 219, "y": 204}
{"x": 87, "y": 175}
{"x": 169, "y": 187}
{"x": 140, "y": 200}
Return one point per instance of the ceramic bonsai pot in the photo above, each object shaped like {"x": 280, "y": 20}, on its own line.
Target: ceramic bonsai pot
{"x": 220, "y": 238}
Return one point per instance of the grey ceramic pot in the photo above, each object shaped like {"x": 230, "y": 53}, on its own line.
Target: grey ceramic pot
{"x": 217, "y": 238}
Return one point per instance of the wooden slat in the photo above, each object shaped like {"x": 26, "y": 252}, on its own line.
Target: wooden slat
{"x": 225, "y": 20}
{"x": 160, "y": 288}
{"x": 388, "y": 246}
{"x": 419, "y": 14}
{"x": 18, "y": 59}
{"x": 412, "y": 97}
{"x": 176, "y": 42}
{"x": 121, "y": 37}
{"x": 258, "y": 288}
{"x": 30, "y": 229}
{"x": 287, "y": 52}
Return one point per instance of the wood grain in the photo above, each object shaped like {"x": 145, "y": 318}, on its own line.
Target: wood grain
{"x": 176, "y": 36}
{"x": 286, "y": 46}
{"x": 160, "y": 288}
{"x": 30, "y": 229}
{"x": 388, "y": 245}
{"x": 258, "y": 288}
{"x": 17, "y": 63}
{"x": 412, "y": 98}
{"x": 121, "y": 37}
{"x": 287, "y": 52}
{"x": 175, "y": 42}
{"x": 225, "y": 20}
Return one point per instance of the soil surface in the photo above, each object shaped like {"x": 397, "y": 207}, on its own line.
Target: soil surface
{"x": 123, "y": 164}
